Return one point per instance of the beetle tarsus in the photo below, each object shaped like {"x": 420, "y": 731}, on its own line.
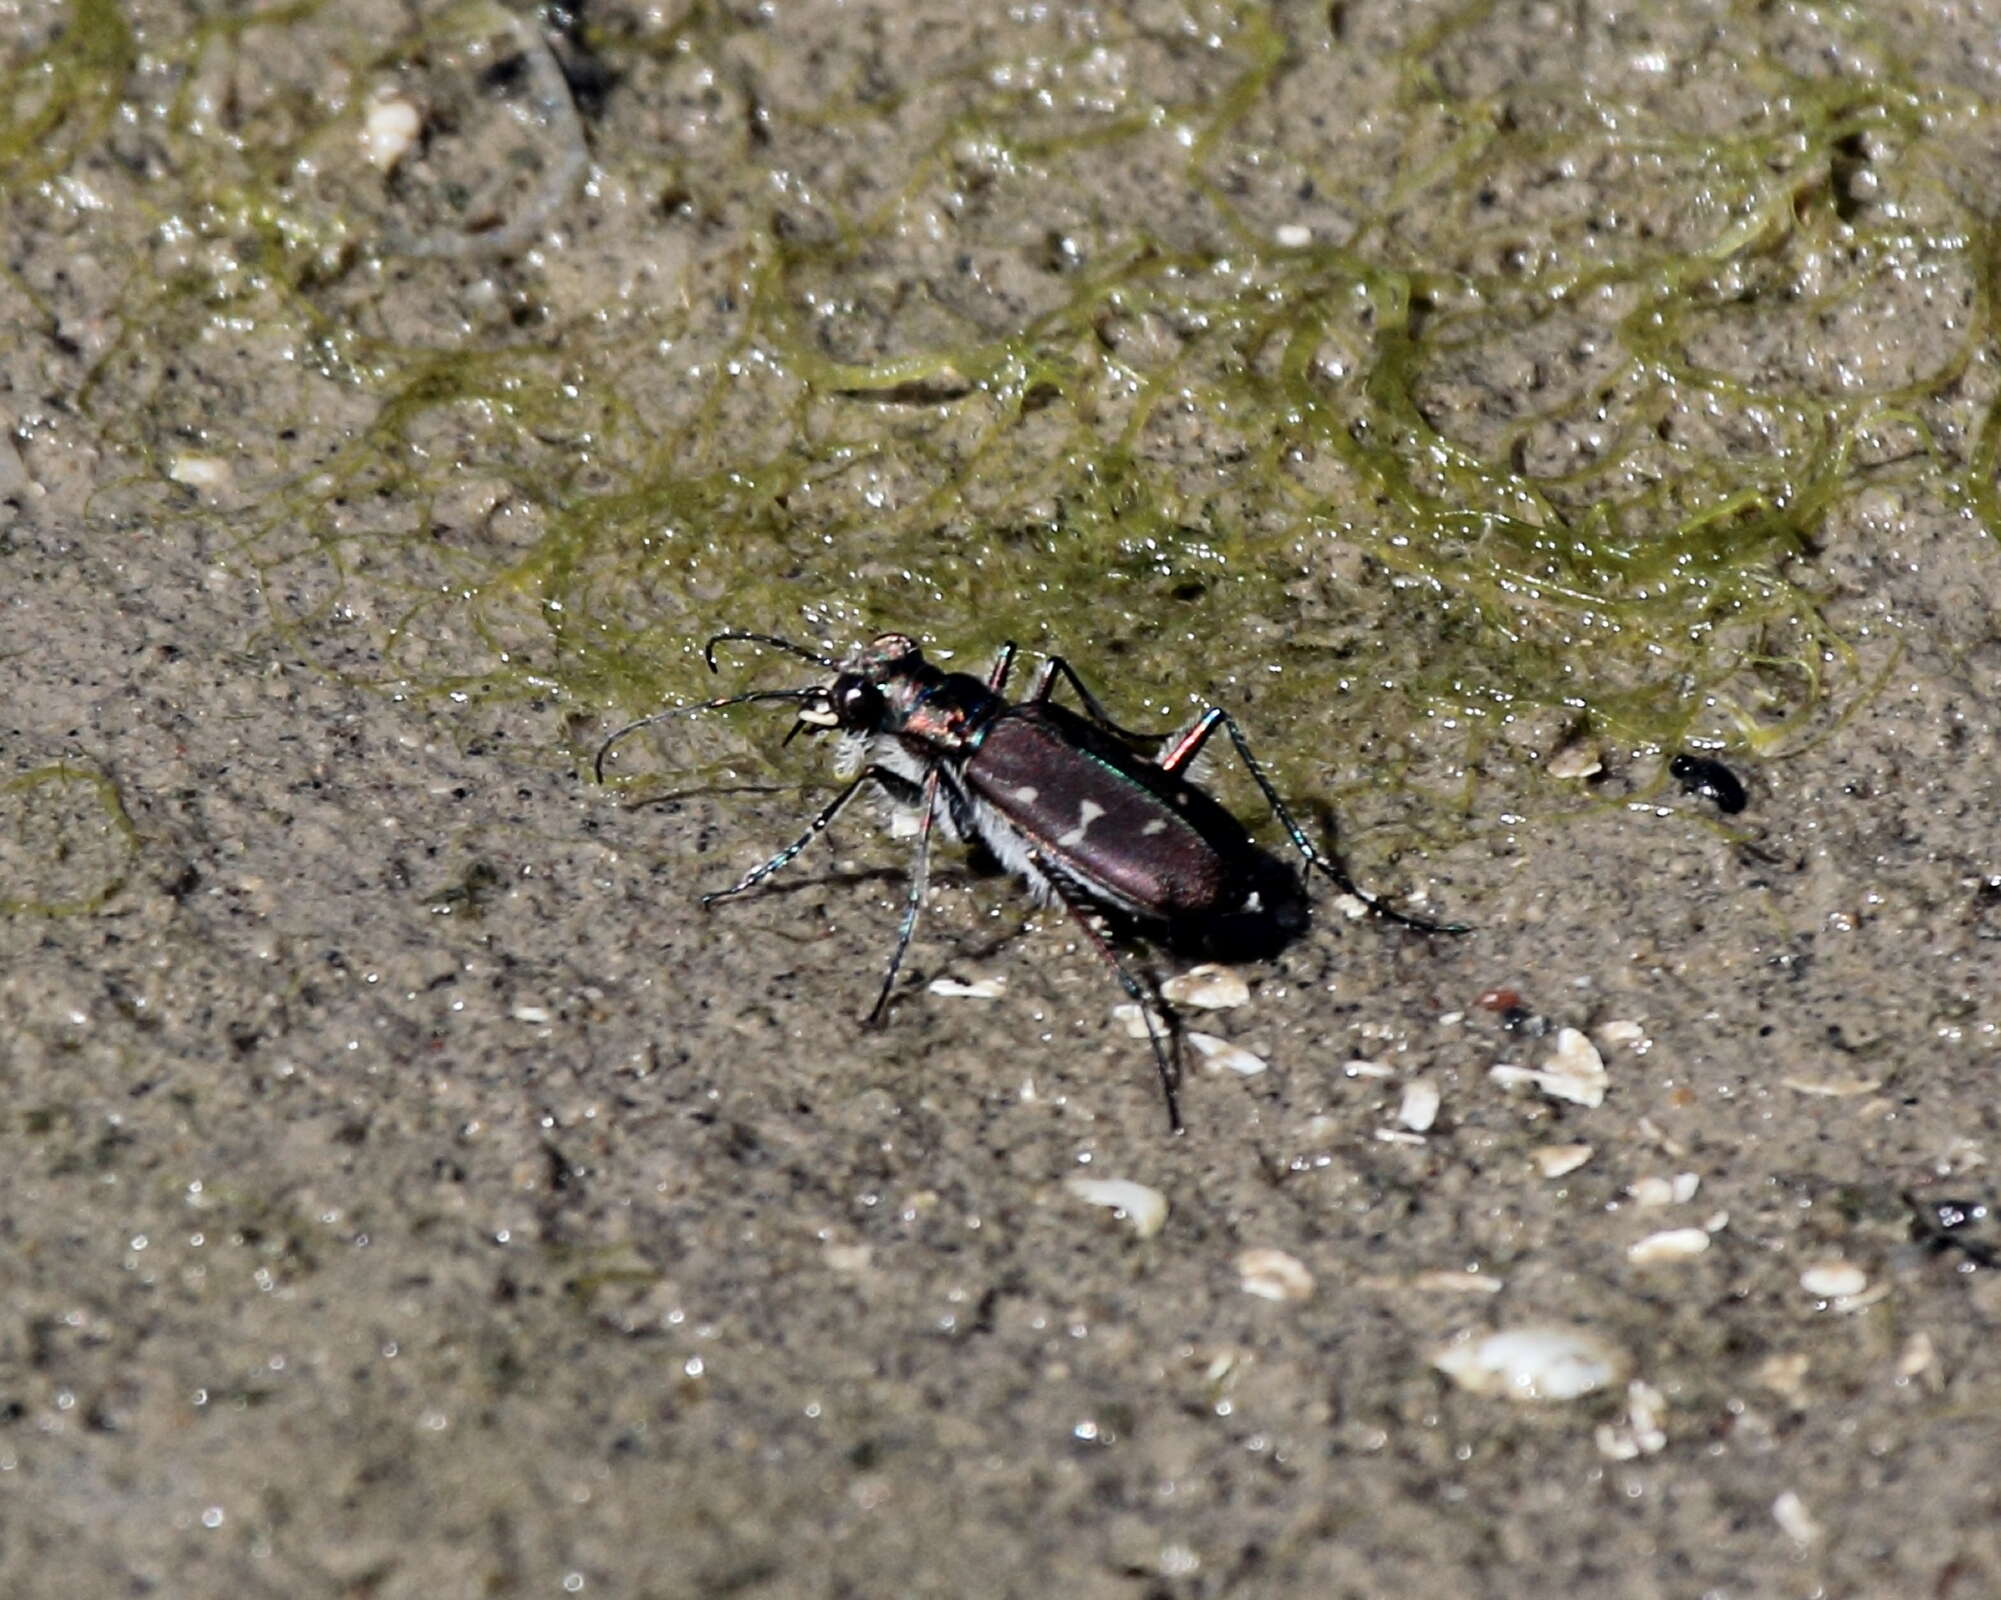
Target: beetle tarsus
{"x": 1190, "y": 745}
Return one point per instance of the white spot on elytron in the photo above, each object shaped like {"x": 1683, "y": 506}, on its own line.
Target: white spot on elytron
{"x": 1028, "y": 794}
{"x": 1153, "y": 827}
{"x": 1088, "y": 812}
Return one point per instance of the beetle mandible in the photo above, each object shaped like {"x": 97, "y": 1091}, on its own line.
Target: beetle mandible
{"x": 1070, "y": 802}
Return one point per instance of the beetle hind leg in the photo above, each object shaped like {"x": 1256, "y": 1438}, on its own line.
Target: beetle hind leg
{"x": 1189, "y": 745}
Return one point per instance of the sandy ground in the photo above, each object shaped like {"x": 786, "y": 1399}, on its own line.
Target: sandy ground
{"x": 406, "y": 1191}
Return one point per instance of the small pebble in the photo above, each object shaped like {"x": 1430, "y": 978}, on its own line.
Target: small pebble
{"x": 1420, "y": 1105}
{"x": 1918, "y": 1356}
{"x": 1834, "y": 1280}
{"x": 1274, "y": 1275}
{"x": 1795, "y": 1521}
{"x": 1219, "y": 1055}
{"x": 1144, "y": 1208}
{"x": 1555, "y": 1160}
{"x": 1669, "y": 1245}
{"x": 1641, "y": 1434}
{"x": 1533, "y": 1362}
{"x": 1785, "y": 1374}
{"x": 1651, "y": 1191}
{"x": 1292, "y": 236}
{"x": 1207, "y": 988}
{"x": 1367, "y": 1069}
{"x": 389, "y": 130}
{"x": 1620, "y": 1031}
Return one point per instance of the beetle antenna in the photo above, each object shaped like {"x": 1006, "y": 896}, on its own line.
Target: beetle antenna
{"x": 684, "y": 711}
{"x": 799, "y": 650}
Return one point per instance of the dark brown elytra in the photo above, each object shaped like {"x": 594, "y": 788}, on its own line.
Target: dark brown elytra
{"x": 1091, "y": 814}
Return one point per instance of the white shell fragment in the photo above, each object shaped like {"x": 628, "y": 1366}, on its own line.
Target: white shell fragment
{"x": 1219, "y": 1055}
{"x": 388, "y": 131}
{"x": 1133, "y": 1018}
{"x": 1208, "y": 987}
{"x": 1144, "y": 1208}
{"x": 1548, "y": 1361}
{"x": 1576, "y": 761}
{"x": 1419, "y": 1109}
{"x": 1556, "y": 1160}
{"x": 1653, "y": 1191}
{"x": 1835, "y": 1086}
{"x": 1795, "y": 1521}
{"x": 209, "y": 473}
{"x": 1458, "y": 1283}
{"x": 1274, "y": 1275}
{"x": 1367, "y": 1069}
{"x": 1641, "y": 1434}
{"x": 1574, "y": 1072}
{"x": 1620, "y": 1031}
{"x": 1668, "y": 1246}
{"x": 1834, "y": 1280}
{"x": 1918, "y": 1356}
{"x": 979, "y": 989}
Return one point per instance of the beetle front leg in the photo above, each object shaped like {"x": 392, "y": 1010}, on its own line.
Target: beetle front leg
{"x": 997, "y": 674}
{"x": 913, "y": 903}
{"x": 1189, "y": 745}
{"x": 814, "y": 829}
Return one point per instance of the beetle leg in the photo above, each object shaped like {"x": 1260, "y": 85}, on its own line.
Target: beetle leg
{"x": 1044, "y": 686}
{"x": 1003, "y": 664}
{"x": 1190, "y": 744}
{"x": 1167, "y": 1063}
{"x": 920, "y": 875}
{"x": 814, "y": 829}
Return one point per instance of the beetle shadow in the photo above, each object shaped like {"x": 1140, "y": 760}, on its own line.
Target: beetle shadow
{"x": 712, "y": 791}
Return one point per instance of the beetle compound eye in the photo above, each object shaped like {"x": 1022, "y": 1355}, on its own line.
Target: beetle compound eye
{"x": 859, "y": 704}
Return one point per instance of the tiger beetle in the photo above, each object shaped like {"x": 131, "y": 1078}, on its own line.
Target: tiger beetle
{"x": 1092, "y": 815}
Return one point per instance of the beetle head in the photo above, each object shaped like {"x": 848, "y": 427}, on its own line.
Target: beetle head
{"x": 851, "y": 703}
{"x": 860, "y": 697}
